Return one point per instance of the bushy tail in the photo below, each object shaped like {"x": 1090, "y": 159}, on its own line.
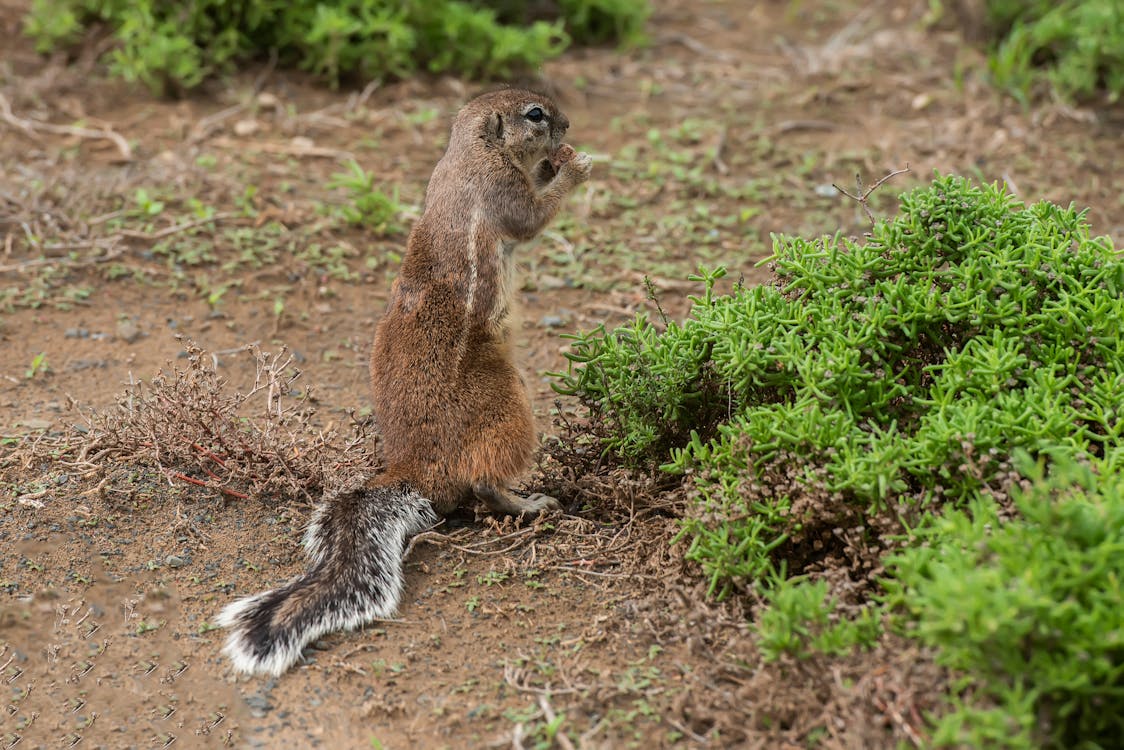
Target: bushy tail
{"x": 355, "y": 542}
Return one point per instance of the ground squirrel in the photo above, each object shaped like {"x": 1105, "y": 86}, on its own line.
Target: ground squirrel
{"x": 451, "y": 408}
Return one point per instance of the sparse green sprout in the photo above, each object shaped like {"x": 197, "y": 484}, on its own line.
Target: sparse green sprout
{"x": 368, "y": 206}
{"x": 38, "y": 366}
{"x": 147, "y": 205}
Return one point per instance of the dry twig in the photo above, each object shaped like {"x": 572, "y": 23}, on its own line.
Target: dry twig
{"x": 863, "y": 196}
{"x": 31, "y": 127}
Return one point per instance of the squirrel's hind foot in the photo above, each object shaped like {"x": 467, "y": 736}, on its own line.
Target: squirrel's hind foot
{"x": 501, "y": 501}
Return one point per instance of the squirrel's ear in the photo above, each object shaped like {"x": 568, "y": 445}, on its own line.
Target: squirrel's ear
{"x": 495, "y": 126}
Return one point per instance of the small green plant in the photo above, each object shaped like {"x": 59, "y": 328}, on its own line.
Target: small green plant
{"x": 146, "y": 205}
{"x": 1031, "y": 609}
{"x": 38, "y": 365}
{"x": 367, "y": 206}
{"x": 801, "y": 619}
{"x": 492, "y": 577}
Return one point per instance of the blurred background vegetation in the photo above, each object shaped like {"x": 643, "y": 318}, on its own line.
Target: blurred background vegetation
{"x": 173, "y": 46}
{"x": 1074, "y": 46}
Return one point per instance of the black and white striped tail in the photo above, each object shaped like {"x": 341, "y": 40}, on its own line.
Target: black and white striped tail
{"x": 355, "y": 542}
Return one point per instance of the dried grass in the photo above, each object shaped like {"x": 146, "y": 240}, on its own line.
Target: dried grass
{"x": 192, "y": 426}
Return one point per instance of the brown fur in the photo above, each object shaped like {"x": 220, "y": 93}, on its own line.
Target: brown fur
{"x": 452, "y": 409}
{"x": 453, "y": 412}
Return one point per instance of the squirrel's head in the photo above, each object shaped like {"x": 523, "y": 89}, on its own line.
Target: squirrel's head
{"x": 524, "y": 125}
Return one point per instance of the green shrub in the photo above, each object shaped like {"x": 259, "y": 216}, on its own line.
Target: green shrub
{"x": 876, "y": 377}
{"x": 173, "y": 46}
{"x": 801, "y": 619}
{"x": 1079, "y": 43}
{"x": 1031, "y": 609}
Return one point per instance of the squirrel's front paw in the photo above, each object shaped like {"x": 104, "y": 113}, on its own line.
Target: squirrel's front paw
{"x": 583, "y": 165}
{"x": 574, "y": 164}
{"x": 579, "y": 168}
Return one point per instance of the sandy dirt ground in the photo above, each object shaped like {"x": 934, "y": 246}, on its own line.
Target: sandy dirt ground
{"x": 215, "y": 218}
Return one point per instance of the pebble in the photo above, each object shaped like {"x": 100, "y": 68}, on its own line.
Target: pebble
{"x": 246, "y": 127}
{"x": 546, "y": 281}
{"x": 259, "y": 705}
{"x": 174, "y": 561}
{"x": 86, "y": 364}
{"x": 552, "y": 321}
{"x": 128, "y": 331}
{"x": 77, "y": 333}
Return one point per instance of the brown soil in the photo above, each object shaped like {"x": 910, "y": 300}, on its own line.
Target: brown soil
{"x": 582, "y": 631}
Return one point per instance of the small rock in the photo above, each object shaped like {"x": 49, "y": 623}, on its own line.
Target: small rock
{"x": 921, "y": 101}
{"x": 546, "y": 281}
{"x": 174, "y": 561}
{"x": 552, "y": 321}
{"x": 244, "y": 128}
{"x": 128, "y": 331}
{"x": 86, "y": 364}
{"x": 77, "y": 333}
{"x": 259, "y": 705}
{"x": 827, "y": 191}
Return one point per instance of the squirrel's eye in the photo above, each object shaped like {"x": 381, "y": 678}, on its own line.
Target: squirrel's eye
{"x": 535, "y": 114}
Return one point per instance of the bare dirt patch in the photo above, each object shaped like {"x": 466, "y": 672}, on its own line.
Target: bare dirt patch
{"x": 585, "y": 630}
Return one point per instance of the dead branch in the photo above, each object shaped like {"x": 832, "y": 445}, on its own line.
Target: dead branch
{"x": 298, "y": 148}
{"x": 863, "y": 196}
{"x": 31, "y": 127}
{"x": 169, "y": 231}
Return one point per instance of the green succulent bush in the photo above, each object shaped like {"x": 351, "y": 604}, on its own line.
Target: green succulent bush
{"x": 1077, "y": 45}
{"x": 897, "y": 372}
{"x": 172, "y": 46}
{"x": 1031, "y": 609}
{"x": 898, "y": 394}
